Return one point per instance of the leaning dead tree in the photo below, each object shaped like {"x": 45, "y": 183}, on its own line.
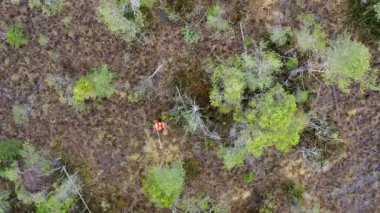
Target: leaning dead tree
{"x": 190, "y": 112}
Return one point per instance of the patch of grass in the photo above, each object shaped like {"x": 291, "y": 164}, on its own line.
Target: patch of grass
{"x": 268, "y": 205}
{"x": 192, "y": 168}
{"x": 201, "y": 203}
{"x": 15, "y": 36}
{"x": 215, "y": 19}
{"x": 365, "y": 16}
{"x": 294, "y": 190}
{"x": 133, "y": 96}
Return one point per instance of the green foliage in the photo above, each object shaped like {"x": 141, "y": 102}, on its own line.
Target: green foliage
{"x": 364, "y": 15}
{"x": 302, "y": 96}
{"x": 61, "y": 199}
{"x": 275, "y": 121}
{"x": 201, "y": 204}
{"x": 50, "y": 8}
{"x": 294, "y": 190}
{"x": 348, "y": 62}
{"x": 291, "y": 63}
{"x": 190, "y": 36}
{"x": 15, "y": 36}
{"x": 112, "y": 14}
{"x": 268, "y": 205}
{"x": 4, "y": 201}
{"x": 310, "y": 37}
{"x": 248, "y": 177}
{"x": 260, "y": 68}
{"x": 215, "y": 19}
{"x": 98, "y": 83}
{"x": 9, "y": 149}
{"x": 133, "y": 96}
{"x": 36, "y": 160}
{"x": 163, "y": 185}
{"x": 279, "y": 35}
{"x": 20, "y": 114}
{"x": 376, "y": 8}
{"x": 255, "y": 72}
{"x": 233, "y": 157}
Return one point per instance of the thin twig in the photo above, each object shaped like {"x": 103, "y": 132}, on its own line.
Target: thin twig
{"x": 75, "y": 187}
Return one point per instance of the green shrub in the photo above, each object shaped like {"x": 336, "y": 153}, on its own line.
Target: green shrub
{"x": 10, "y": 149}
{"x": 233, "y": 157}
{"x": 51, "y": 8}
{"x": 348, "y": 62}
{"x": 61, "y": 199}
{"x": 4, "y": 201}
{"x": 20, "y": 114}
{"x": 227, "y": 87}
{"x": 190, "y": 36}
{"x": 163, "y": 185}
{"x": 215, "y": 19}
{"x": 15, "y": 36}
{"x": 310, "y": 37}
{"x": 112, "y": 14}
{"x": 260, "y": 69}
{"x": 133, "y": 96}
{"x": 291, "y": 63}
{"x": 255, "y": 72}
{"x": 376, "y": 8}
{"x": 275, "y": 121}
{"x": 98, "y": 83}
{"x": 279, "y": 35}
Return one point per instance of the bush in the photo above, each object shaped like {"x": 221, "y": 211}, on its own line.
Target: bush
{"x": 260, "y": 69}
{"x": 15, "y": 36}
{"x": 112, "y": 14}
{"x": 98, "y": 83}
{"x": 190, "y": 36}
{"x": 215, "y": 19}
{"x": 51, "y": 8}
{"x": 310, "y": 37}
{"x": 61, "y": 199}
{"x": 233, "y": 157}
{"x": 279, "y": 35}
{"x": 227, "y": 87}
{"x": 10, "y": 149}
{"x": 248, "y": 177}
{"x": 348, "y": 62}
{"x": 274, "y": 121}
{"x": 163, "y": 185}
{"x": 4, "y": 201}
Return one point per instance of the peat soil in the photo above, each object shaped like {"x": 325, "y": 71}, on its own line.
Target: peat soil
{"x": 111, "y": 143}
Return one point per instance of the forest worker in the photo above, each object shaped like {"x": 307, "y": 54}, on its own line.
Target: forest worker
{"x": 160, "y": 128}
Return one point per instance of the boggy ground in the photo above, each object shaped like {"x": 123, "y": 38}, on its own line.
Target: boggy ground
{"x": 111, "y": 143}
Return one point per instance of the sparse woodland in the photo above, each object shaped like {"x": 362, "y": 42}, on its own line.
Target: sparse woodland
{"x": 268, "y": 106}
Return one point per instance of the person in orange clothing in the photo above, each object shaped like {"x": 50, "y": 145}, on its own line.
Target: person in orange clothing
{"x": 159, "y": 127}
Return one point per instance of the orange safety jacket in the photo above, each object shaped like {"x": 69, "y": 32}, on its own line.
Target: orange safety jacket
{"x": 158, "y": 126}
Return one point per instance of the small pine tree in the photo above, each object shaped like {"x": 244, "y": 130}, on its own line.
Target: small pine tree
{"x": 348, "y": 62}
{"x": 310, "y": 37}
{"x": 98, "y": 83}
{"x": 163, "y": 185}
